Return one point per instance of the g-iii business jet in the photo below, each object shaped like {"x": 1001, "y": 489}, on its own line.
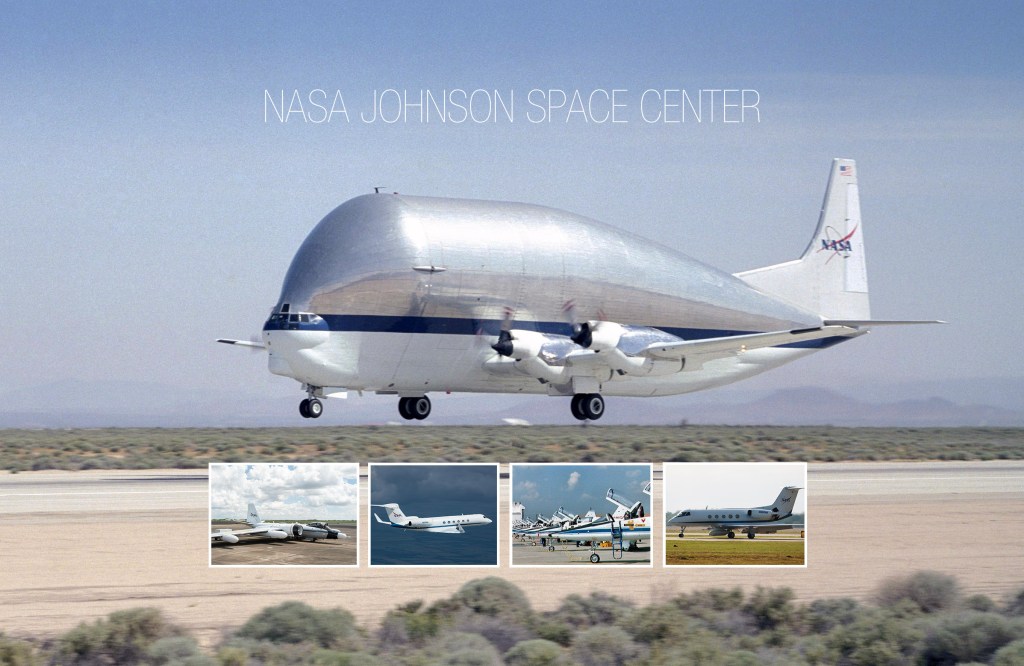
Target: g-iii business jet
{"x": 756, "y": 520}
{"x": 310, "y": 532}
{"x": 406, "y": 295}
{"x": 446, "y": 524}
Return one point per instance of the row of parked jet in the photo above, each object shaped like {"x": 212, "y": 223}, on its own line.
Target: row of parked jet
{"x": 625, "y": 527}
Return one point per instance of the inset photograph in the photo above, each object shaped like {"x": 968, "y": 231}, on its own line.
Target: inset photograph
{"x": 433, "y": 514}
{"x": 735, "y": 514}
{"x": 581, "y": 514}
{"x": 266, "y": 514}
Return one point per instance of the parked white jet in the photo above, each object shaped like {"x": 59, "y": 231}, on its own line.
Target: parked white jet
{"x": 445, "y": 524}
{"x": 756, "y": 520}
{"x": 403, "y": 295}
{"x": 310, "y": 532}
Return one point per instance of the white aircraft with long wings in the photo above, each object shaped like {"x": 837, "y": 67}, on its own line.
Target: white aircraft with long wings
{"x": 403, "y": 296}
{"x": 257, "y": 527}
{"x": 444, "y": 524}
{"x": 752, "y": 521}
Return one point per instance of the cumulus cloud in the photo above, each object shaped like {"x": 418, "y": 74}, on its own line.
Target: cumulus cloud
{"x": 297, "y": 491}
{"x": 574, "y": 478}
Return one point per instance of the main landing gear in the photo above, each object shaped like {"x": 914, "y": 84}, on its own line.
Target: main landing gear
{"x": 311, "y": 408}
{"x": 587, "y": 406}
{"x": 414, "y": 408}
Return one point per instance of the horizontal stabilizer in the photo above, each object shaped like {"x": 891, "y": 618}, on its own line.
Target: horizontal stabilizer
{"x": 242, "y": 343}
{"x": 864, "y": 323}
{"x": 740, "y": 343}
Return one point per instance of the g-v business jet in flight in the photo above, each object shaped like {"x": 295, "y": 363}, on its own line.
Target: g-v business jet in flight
{"x": 446, "y": 524}
{"x": 310, "y": 532}
{"x": 406, "y": 295}
{"x": 756, "y": 520}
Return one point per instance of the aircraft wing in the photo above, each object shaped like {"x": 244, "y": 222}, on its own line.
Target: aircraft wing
{"x": 446, "y": 529}
{"x": 762, "y": 527}
{"x": 250, "y": 532}
{"x": 242, "y": 343}
{"x": 736, "y": 344}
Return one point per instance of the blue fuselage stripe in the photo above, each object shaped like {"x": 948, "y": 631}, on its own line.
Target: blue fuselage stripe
{"x": 491, "y": 327}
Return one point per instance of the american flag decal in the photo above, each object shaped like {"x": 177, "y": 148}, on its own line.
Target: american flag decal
{"x": 846, "y": 171}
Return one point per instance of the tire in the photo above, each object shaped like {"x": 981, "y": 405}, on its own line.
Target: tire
{"x": 595, "y": 558}
{"x": 304, "y": 408}
{"x": 750, "y": 535}
{"x": 419, "y": 407}
{"x": 732, "y": 535}
{"x": 315, "y": 408}
{"x": 577, "y": 407}
{"x": 403, "y": 409}
{"x": 592, "y": 406}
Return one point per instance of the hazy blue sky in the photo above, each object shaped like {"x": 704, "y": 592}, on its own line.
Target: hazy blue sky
{"x": 148, "y": 208}
{"x": 577, "y": 487}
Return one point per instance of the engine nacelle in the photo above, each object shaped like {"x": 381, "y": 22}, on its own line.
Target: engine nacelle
{"x": 717, "y": 531}
{"x": 604, "y": 335}
{"x": 229, "y": 538}
{"x": 297, "y": 531}
{"x": 277, "y": 534}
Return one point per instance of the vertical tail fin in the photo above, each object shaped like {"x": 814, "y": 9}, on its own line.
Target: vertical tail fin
{"x": 830, "y": 278}
{"x": 253, "y": 518}
{"x": 394, "y": 512}
{"x": 786, "y": 500}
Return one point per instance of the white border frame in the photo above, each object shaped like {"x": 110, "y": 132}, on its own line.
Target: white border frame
{"x": 497, "y": 515}
{"x": 209, "y": 521}
{"x": 581, "y": 565}
{"x": 665, "y": 479}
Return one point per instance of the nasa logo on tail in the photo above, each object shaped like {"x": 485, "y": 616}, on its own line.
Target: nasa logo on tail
{"x": 842, "y": 247}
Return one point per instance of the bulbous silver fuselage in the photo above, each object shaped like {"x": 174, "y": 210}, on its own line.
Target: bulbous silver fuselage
{"x": 406, "y": 294}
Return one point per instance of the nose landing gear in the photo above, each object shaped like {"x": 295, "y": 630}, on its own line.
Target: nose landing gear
{"x": 311, "y": 408}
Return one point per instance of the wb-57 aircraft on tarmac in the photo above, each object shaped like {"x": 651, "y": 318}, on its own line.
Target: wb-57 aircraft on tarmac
{"x": 752, "y": 521}
{"x": 257, "y": 527}
{"x": 407, "y": 295}
{"x": 445, "y": 524}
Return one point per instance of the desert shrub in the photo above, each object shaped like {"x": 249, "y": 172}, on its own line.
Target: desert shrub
{"x": 980, "y": 602}
{"x": 698, "y": 604}
{"x": 1011, "y": 654}
{"x": 122, "y": 638}
{"x": 605, "y": 646}
{"x": 17, "y": 653}
{"x": 1015, "y": 606}
{"x": 824, "y": 614}
{"x": 296, "y": 622}
{"x": 495, "y": 597}
{"x": 596, "y": 610}
{"x": 875, "y": 638}
{"x": 454, "y": 648}
{"x": 659, "y": 623}
{"x": 553, "y": 630}
{"x": 967, "y": 636}
{"x": 501, "y": 633}
{"x": 931, "y": 591}
{"x": 176, "y": 650}
{"x": 742, "y": 658}
{"x": 771, "y": 607}
{"x": 336, "y": 658}
{"x": 537, "y": 652}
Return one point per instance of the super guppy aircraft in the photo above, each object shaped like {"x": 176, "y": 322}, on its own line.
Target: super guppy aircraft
{"x": 410, "y": 295}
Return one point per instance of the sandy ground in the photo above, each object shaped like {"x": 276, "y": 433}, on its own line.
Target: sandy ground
{"x": 79, "y": 545}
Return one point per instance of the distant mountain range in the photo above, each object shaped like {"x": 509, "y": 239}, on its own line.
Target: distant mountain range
{"x": 79, "y": 404}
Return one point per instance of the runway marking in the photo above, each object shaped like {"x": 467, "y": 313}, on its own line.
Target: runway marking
{"x": 926, "y": 478}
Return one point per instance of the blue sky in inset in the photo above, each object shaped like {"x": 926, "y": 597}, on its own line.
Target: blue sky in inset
{"x": 577, "y": 487}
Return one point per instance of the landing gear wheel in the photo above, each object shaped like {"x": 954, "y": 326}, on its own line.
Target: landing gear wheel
{"x": 403, "y": 409}
{"x": 315, "y": 408}
{"x": 304, "y": 408}
{"x": 551, "y": 548}
{"x": 595, "y": 558}
{"x": 419, "y": 407}
{"x": 577, "y": 406}
{"x": 592, "y": 405}
{"x": 750, "y": 535}
{"x": 732, "y": 535}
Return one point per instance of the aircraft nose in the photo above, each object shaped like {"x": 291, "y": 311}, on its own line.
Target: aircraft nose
{"x": 487, "y": 521}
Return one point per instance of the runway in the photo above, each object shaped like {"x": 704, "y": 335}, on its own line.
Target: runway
{"x": 78, "y": 545}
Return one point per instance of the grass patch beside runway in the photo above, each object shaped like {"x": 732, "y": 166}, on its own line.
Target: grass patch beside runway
{"x": 734, "y": 551}
{"x": 151, "y": 448}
